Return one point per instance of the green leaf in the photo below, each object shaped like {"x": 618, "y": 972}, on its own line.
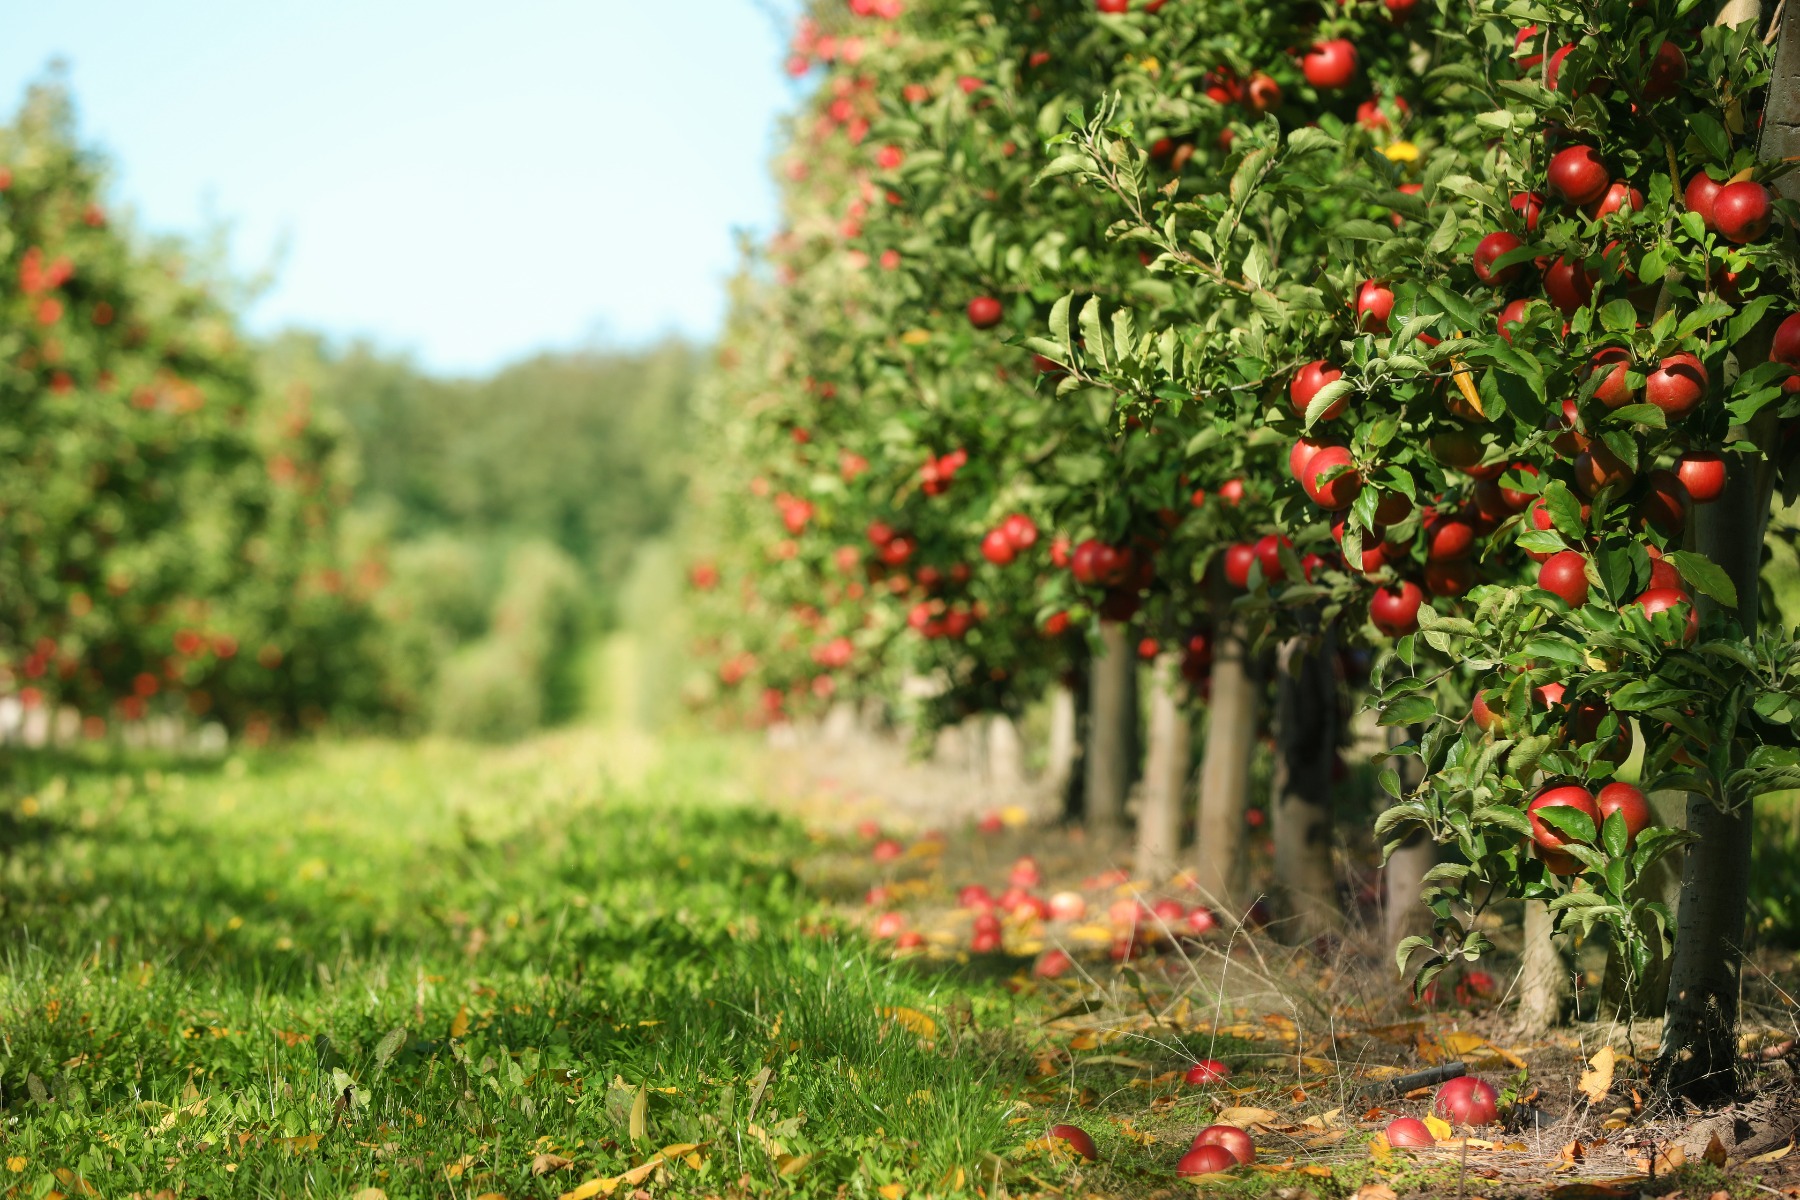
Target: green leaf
{"x": 1700, "y": 318}
{"x": 1059, "y": 324}
{"x": 1565, "y": 510}
{"x": 1243, "y": 180}
{"x": 1639, "y": 414}
{"x": 1706, "y": 576}
{"x": 1328, "y": 395}
{"x": 1569, "y": 821}
{"x": 1711, "y": 136}
{"x": 1091, "y": 332}
{"x": 1505, "y": 816}
{"x": 1067, "y": 164}
{"x": 1613, "y": 834}
{"x": 1404, "y": 951}
{"x": 1407, "y": 710}
{"x": 1360, "y": 230}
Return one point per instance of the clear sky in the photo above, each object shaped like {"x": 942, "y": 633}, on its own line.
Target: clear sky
{"x": 467, "y": 181}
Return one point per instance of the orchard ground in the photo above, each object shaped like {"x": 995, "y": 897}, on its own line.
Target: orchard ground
{"x": 600, "y": 963}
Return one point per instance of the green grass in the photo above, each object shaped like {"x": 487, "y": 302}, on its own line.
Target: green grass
{"x": 501, "y": 954}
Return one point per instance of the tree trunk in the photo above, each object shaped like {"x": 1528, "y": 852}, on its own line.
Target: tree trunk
{"x": 1225, "y": 770}
{"x": 1114, "y": 677}
{"x": 1403, "y": 875}
{"x": 1005, "y": 757}
{"x": 1544, "y": 977}
{"x": 1165, "y": 771}
{"x": 1063, "y": 748}
{"x": 1306, "y": 732}
{"x": 1699, "y": 1046}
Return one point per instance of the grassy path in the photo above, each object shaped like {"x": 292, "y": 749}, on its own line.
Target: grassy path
{"x": 436, "y": 970}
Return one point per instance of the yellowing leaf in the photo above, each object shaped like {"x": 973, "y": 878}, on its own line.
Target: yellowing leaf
{"x": 1715, "y": 1152}
{"x": 1596, "y": 1081}
{"x": 17, "y": 1163}
{"x": 1087, "y": 1039}
{"x": 792, "y": 1164}
{"x": 1242, "y": 1117}
{"x": 1774, "y": 1155}
{"x": 1440, "y": 1128}
{"x": 916, "y": 337}
{"x": 914, "y": 1021}
{"x": 1375, "y": 1191}
{"x": 640, "y": 1115}
{"x": 891, "y": 1191}
{"x": 678, "y": 1150}
{"x": 459, "y": 1025}
{"x": 544, "y": 1164}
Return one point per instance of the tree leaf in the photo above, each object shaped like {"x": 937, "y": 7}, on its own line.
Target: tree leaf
{"x": 1706, "y": 576}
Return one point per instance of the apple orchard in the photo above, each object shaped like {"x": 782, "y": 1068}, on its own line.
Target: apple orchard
{"x": 1257, "y": 363}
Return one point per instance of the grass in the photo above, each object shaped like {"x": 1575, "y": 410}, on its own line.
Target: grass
{"x": 424, "y": 968}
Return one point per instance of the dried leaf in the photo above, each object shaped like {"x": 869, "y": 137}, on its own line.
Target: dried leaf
{"x": 1375, "y": 1191}
{"x": 544, "y": 1164}
{"x": 1774, "y": 1155}
{"x": 640, "y": 1114}
{"x": 792, "y": 1164}
{"x": 912, "y": 1020}
{"x": 891, "y": 1191}
{"x": 1085, "y": 1040}
{"x": 459, "y": 1024}
{"x": 1715, "y": 1152}
{"x": 1597, "y": 1080}
{"x": 1440, "y": 1128}
{"x": 1245, "y": 1117}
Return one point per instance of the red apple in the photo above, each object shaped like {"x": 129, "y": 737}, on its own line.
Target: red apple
{"x": 1374, "y": 305}
{"x": 1662, "y": 599}
{"x": 1701, "y": 193}
{"x": 1448, "y": 538}
{"x": 1568, "y": 285}
{"x": 1449, "y": 578}
{"x": 1205, "y": 1160}
{"x": 1112, "y": 6}
{"x": 1336, "y": 493}
{"x": 1233, "y": 1140}
{"x": 985, "y": 312}
{"x": 1200, "y": 919}
{"x": 1597, "y": 467}
{"x": 1409, "y": 1133}
{"x": 1665, "y": 502}
{"x": 1262, "y": 93}
{"x": 1395, "y": 610}
{"x": 1629, "y": 802}
{"x": 1677, "y": 385}
{"x": 1613, "y": 364}
{"x": 1565, "y": 574}
{"x": 1511, "y": 315}
{"x": 1468, "y": 1100}
{"x": 1238, "y": 561}
{"x": 1053, "y": 965}
{"x": 997, "y": 549}
{"x": 1577, "y": 173}
{"x": 1492, "y": 247}
{"x": 1485, "y": 718}
{"x": 1021, "y": 531}
{"x": 1620, "y": 197}
{"x": 1529, "y": 206}
{"x": 1076, "y": 1139}
{"x": 1300, "y": 454}
{"x": 1308, "y": 382}
{"x": 1207, "y": 1070}
{"x": 1329, "y": 65}
{"x": 1268, "y": 554}
{"x": 1702, "y": 472}
{"x": 1662, "y": 572}
{"x": 1567, "y": 795}
{"x": 1742, "y": 212}
{"x": 1667, "y": 70}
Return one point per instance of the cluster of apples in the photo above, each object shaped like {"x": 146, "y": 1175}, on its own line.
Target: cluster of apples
{"x": 1618, "y": 797}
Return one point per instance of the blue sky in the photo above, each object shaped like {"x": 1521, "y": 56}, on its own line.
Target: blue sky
{"x": 467, "y": 181}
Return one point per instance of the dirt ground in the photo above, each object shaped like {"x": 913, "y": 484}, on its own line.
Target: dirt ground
{"x": 1313, "y": 1035}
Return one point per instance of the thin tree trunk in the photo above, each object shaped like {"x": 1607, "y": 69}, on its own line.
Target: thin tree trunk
{"x": 1165, "y": 770}
{"x": 1005, "y": 757}
{"x": 1225, "y": 770}
{"x": 1403, "y": 875}
{"x": 1109, "y": 730}
{"x": 1544, "y": 977}
{"x": 1306, "y": 729}
{"x": 1699, "y": 1046}
{"x": 1063, "y": 747}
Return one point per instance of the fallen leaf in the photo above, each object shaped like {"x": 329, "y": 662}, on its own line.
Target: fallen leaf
{"x": 1774, "y": 1155}
{"x": 544, "y": 1164}
{"x": 369, "y": 1193}
{"x": 1440, "y": 1128}
{"x": 640, "y": 1115}
{"x": 1085, "y": 1040}
{"x": 1316, "y": 1170}
{"x": 1665, "y": 1163}
{"x": 792, "y": 1164}
{"x": 891, "y": 1191}
{"x": 1715, "y": 1152}
{"x": 912, "y": 1020}
{"x": 459, "y": 1024}
{"x": 1597, "y": 1080}
{"x": 1375, "y": 1191}
{"x": 1243, "y": 1117}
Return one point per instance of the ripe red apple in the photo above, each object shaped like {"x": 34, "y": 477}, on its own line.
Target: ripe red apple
{"x": 1665, "y": 502}
{"x": 1677, "y": 385}
{"x": 1467, "y": 1100}
{"x": 1268, "y": 554}
{"x": 1301, "y": 453}
{"x": 1614, "y": 365}
{"x": 1262, "y": 93}
{"x": 1450, "y": 578}
{"x": 1392, "y": 509}
{"x": 1485, "y": 718}
{"x": 1511, "y": 315}
{"x": 1232, "y": 492}
{"x": 1205, "y": 1160}
{"x": 1448, "y": 538}
{"x": 1629, "y": 802}
{"x": 1662, "y": 599}
{"x": 1662, "y": 572}
{"x": 1568, "y": 285}
{"x": 997, "y": 549}
{"x": 912, "y": 939}
{"x": 1021, "y": 531}
{"x": 1564, "y": 796}
{"x": 1076, "y": 1139}
{"x": 1200, "y": 919}
{"x": 1238, "y": 561}
{"x": 889, "y": 925}
{"x": 1395, "y": 610}
{"x": 1620, "y": 197}
{"x": 1233, "y": 1140}
{"x": 1577, "y": 173}
{"x": 1529, "y": 206}
{"x": 1336, "y": 493}
{"x": 1597, "y": 467}
{"x": 1409, "y": 1133}
{"x": 1053, "y": 965}
{"x": 1742, "y": 211}
{"x": 1699, "y": 196}
{"x": 1702, "y": 472}
{"x": 985, "y": 312}
{"x": 887, "y": 850}
{"x": 1374, "y": 305}
{"x": 1565, "y": 574}
{"x": 1667, "y": 70}
{"x": 1492, "y": 247}
{"x": 1307, "y": 383}
{"x": 1329, "y": 65}
{"x": 1786, "y": 347}
{"x": 1207, "y": 1070}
